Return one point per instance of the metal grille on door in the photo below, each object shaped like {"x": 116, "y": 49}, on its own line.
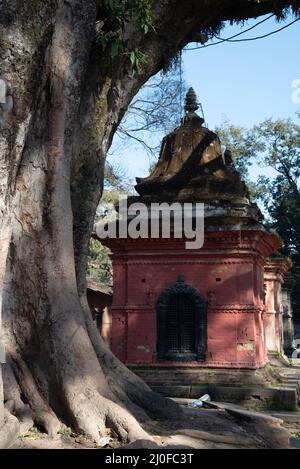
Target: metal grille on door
{"x": 181, "y": 324}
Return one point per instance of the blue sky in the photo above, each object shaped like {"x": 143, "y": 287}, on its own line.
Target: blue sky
{"x": 247, "y": 81}
{"x": 244, "y": 82}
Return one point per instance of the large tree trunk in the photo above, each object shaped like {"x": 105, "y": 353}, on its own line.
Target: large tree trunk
{"x": 68, "y": 98}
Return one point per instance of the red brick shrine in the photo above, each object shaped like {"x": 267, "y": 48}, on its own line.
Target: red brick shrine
{"x": 197, "y": 307}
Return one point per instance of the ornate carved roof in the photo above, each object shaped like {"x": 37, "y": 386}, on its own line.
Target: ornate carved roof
{"x": 192, "y": 165}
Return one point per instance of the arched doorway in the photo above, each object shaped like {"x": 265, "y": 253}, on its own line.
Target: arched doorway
{"x": 181, "y": 323}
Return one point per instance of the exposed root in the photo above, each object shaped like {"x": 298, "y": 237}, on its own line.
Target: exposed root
{"x": 123, "y": 422}
{"x": 93, "y": 414}
{"x": 240, "y": 440}
{"x": 43, "y": 415}
{"x": 13, "y": 401}
{"x": 97, "y": 390}
{"x": 265, "y": 427}
{"x": 9, "y": 431}
{"x": 138, "y": 412}
{"x": 93, "y": 399}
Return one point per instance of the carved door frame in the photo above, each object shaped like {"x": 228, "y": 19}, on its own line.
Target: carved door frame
{"x": 162, "y": 305}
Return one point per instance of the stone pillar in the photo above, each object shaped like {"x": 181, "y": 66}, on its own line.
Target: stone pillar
{"x": 275, "y": 269}
{"x": 288, "y": 326}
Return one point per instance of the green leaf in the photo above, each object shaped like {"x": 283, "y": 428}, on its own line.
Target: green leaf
{"x": 133, "y": 57}
{"x": 115, "y": 47}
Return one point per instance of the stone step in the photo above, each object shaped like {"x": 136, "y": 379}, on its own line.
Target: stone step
{"x": 199, "y": 376}
{"x": 229, "y": 385}
{"x": 279, "y": 398}
{"x": 290, "y": 383}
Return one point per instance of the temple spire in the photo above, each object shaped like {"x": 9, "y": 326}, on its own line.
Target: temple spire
{"x": 191, "y": 104}
{"x": 190, "y": 108}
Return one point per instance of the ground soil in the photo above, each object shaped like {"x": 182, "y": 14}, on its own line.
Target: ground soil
{"x": 199, "y": 429}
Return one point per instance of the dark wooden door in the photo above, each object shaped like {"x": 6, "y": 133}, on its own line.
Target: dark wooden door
{"x": 180, "y": 327}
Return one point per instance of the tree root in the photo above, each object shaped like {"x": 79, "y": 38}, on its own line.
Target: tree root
{"x": 97, "y": 391}
{"x": 93, "y": 414}
{"x": 9, "y": 431}
{"x": 13, "y": 401}
{"x": 240, "y": 440}
{"x": 42, "y": 414}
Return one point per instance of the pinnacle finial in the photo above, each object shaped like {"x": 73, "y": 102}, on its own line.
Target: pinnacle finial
{"x": 191, "y": 104}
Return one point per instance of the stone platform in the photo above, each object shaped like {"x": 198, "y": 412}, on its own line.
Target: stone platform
{"x": 267, "y": 388}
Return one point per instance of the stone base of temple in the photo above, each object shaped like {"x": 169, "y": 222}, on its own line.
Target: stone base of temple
{"x": 260, "y": 389}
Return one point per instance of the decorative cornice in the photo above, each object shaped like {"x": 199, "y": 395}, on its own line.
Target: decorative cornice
{"x": 234, "y": 310}
{"x": 137, "y": 307}
{"x": 240, "y": 237}
{"x": 277, "y": 266}
{"x": 202, "y": 364}
{"x": 179, "y": 261}
{"x": 219, "y": 309}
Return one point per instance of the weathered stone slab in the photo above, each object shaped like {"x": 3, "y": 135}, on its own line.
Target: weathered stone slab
{"x": 279, "y": 398}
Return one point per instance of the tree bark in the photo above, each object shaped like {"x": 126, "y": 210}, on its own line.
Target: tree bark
{"x": 65, "y": 98}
